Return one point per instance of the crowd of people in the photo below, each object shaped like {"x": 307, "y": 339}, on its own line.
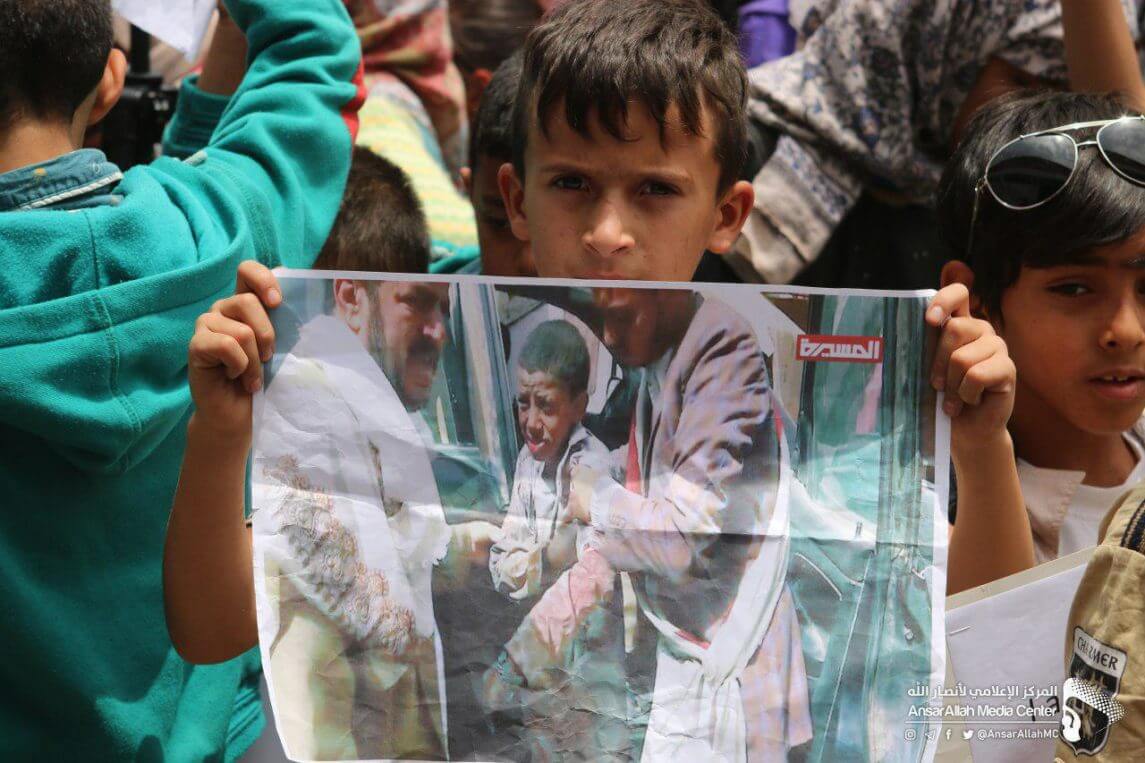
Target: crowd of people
{"x": 994, "y": 151}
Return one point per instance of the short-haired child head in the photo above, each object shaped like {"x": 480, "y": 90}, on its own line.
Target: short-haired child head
{"x": 629, "y": 137}
{"x": 381, "y": 227}
{"x": 1062, "y": 283}
{"x": 59, "y": 64}
{"x": 552, "y": 381}
{"x": 490, "y": 146}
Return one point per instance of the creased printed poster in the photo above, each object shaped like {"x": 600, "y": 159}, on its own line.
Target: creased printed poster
{"x": 510, "y": 520}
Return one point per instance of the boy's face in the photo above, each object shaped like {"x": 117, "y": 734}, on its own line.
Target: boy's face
{"x": 502, "y": 253}
{"x": 636, "y": 209}
{"x": 1076, "y": 334}
{"x": 546, "y": 413}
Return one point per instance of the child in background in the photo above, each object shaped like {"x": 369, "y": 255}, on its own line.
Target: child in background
{"x": 102, "y": 273}
{"x": 380, "y": 227}
{"x": 1053, "y": 258}
{"x": 490, "y": 146}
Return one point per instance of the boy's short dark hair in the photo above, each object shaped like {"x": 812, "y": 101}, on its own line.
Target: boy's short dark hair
{"x": 485, "y": 32}
{"x": 380, "y": 226}
{"x": 1097, "y": 207}
{"x": 598, "y": 56}
{"x": 556, "y": 348}
{"x": 52, "y": 56}
{"x": 492, "y": 134}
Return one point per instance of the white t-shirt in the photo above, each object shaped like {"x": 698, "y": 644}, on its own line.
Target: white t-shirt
{"x": 1090, "y": 505}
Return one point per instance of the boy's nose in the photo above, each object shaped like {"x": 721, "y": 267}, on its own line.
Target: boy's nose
{"x": 1126, "y": 328}
{"x": 607, "y": 234}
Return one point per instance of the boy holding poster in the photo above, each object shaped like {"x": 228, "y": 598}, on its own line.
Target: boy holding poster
{"x": 1041, "y": 204}
{"x": 625, "y": 168}
{"x": 630, "y": 134}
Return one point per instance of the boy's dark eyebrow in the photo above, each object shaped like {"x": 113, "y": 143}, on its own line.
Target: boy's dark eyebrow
{"x": 664, "y": 174}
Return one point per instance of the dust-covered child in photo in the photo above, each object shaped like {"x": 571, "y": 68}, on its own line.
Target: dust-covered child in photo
{"x": 538, "y": 542}
{"x": 582, "y": 702}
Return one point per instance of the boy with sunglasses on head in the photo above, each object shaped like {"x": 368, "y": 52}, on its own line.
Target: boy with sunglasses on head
{"x": 1043, "y": 201}
{"x": 1045, "y": 198}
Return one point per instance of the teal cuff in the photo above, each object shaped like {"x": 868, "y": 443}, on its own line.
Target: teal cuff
{"x": 465, "y": 261}
{"x": 197, "y": 114}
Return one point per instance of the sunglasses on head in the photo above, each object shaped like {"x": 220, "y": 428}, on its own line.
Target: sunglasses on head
{"x": 1031, "y": 170}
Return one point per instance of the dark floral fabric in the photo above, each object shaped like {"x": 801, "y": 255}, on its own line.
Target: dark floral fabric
{"x": 870, "y": 99}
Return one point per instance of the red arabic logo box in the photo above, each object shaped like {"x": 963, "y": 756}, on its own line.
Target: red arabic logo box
{"x": 839, "y": 349}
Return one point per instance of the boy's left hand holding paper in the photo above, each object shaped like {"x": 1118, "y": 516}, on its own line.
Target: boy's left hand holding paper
{"x": 973, "y": 368}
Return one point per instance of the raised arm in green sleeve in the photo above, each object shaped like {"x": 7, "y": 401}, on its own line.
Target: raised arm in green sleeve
{"x": 278, "y": 155}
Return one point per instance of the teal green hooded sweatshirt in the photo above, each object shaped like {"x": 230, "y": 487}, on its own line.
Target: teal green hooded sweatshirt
{"x": 97, "y": 306}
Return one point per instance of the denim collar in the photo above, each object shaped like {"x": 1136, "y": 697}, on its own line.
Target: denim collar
{"x": 77, "y": 180}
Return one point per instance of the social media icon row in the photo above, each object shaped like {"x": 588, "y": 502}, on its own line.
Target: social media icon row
{"x": 911, "y": 735}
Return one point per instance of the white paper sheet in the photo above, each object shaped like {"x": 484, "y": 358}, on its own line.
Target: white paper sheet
{"x": 376, "y": 648}
{"x": 182, "y": 24}
{"x": 1005, "y": 650}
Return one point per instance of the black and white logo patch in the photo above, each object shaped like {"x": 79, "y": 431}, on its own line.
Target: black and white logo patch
{"x": 1090, "y": 707}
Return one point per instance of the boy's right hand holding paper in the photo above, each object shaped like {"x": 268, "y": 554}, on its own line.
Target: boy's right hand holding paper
{"x": 230, "y": 344}
{"x": 207, "y": 586}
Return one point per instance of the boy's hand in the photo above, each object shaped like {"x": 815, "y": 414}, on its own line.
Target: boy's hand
{"x": 474, "y": 539}
{"x": 230, "y": 344}
{"x": 973, "y": 367}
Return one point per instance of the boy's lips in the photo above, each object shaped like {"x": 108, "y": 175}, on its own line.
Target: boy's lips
{"x": 1120, "y": 384}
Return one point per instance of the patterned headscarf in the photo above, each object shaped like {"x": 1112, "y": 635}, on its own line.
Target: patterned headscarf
{"x": 408, "y": 55}
{"x": 870, "y": 98}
